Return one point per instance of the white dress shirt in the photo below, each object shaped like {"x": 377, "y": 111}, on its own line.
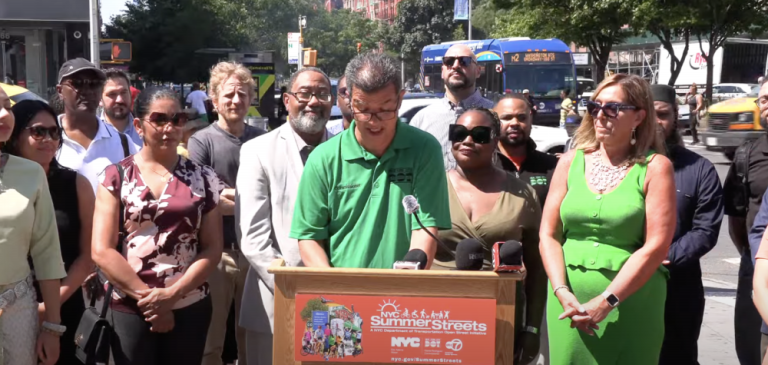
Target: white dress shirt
{"x": 105, "y": 149}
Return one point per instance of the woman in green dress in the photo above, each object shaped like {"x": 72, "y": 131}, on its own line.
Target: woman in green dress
{"x": 607, "y": 224}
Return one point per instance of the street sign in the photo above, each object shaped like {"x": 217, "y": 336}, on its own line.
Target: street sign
{"x": 294, "y": 48}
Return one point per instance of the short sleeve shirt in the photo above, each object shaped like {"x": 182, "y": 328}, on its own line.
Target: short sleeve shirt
{"x": 353, "y": 200}
{"x": 197, "y": 98}
{"x": 162, "y": 234}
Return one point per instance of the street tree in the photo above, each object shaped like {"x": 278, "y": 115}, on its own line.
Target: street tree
{"x": 166, "y": 35}
{"x": 313, "y": 305}
{"x": 335, "y": 36}
{"x": 420, "y": 23}
{"x": 595, "y": 24}
{"x": 717, "y": 20}
{"x": 669, "y": 21}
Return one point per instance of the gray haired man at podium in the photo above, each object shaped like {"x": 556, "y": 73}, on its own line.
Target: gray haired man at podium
{"x": 270, "y": 168}
{"x": 349, "y": 210}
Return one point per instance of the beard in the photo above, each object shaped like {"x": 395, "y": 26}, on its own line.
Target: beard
{"x": 117, "y": 113}
{"x": 519, "y": 141}
{"x": 457, "y": 85}
{"x": 310, "y": 124}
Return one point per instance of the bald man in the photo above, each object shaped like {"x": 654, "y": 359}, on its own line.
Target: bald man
{"x": 460, "y": 71}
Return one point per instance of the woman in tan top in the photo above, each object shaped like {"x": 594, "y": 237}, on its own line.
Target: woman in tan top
{"x": 27, "y": 229}
{"x": 491, "y": 205}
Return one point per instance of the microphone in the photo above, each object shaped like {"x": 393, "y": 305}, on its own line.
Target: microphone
{"x": 507, "y": 256}
{"x": 469, "y": 254}
{"x": 415, "y": 259}
{"x": 411, "y": 206}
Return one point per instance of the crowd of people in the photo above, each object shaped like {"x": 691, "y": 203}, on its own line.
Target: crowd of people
{"x": 183, "y": 218}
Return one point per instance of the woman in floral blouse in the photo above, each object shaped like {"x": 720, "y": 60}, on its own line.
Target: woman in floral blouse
{"x": 172, "y": 241}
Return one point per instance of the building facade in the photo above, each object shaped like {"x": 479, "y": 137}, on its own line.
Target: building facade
{"x": 37, "y": 37}
{"x": 384, "y": 10}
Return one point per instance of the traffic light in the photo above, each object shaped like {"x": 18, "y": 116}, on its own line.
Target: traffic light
{"x": 115, "y": 51}
{"x": 359, "y": 46}
{"x": 310, "y": 58}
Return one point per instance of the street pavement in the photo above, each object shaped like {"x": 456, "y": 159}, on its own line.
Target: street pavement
{"x": 720, "y": 268}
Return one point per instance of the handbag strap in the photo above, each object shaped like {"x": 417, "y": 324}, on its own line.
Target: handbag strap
{"x": 119, "y": 248}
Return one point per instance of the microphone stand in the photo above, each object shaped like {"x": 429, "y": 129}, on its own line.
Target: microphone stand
{"x": 439, "y": 242}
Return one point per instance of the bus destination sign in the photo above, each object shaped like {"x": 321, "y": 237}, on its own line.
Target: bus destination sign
{"x": 537, "y": 57}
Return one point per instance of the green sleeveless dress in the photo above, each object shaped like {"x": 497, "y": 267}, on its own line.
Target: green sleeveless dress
{"x": 601, "y": 232}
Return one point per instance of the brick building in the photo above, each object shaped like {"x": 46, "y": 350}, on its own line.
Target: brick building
{"x": 384, "y": 10}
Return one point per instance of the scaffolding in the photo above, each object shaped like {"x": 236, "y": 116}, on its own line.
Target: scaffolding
{"x": 640, "y": 62}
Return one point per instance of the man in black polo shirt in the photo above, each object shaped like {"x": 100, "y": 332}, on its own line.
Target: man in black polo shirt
{"x": 517, "y": 151}
{"x": 743, "y": 191}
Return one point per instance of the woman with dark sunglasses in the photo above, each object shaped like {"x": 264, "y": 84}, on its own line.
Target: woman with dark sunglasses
{"x": 27, "y": 230}
{"x": 37, "y": 137}
{"x": 170, "y": 244}
{"x": 608, "y": 222}
{"x": 492, "y": 205}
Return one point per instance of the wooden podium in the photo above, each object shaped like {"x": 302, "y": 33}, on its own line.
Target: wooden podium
{"x": 290, "y": 281}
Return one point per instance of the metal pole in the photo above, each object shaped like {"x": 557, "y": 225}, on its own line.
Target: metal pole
{"x": 95, "y": 31}
{"x": 469, "y": 21}
{"x": 402, "y": 69}
{"x": 301, "y": 44}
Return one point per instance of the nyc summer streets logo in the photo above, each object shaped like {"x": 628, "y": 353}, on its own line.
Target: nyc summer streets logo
{"x": 396, "y": 318}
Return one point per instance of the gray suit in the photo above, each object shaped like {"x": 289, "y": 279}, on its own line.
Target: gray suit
{"x": 267, "y": 183}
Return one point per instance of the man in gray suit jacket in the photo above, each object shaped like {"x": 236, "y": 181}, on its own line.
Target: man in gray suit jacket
{"x": 270, "y": 170}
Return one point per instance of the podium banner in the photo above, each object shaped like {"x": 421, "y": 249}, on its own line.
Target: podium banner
{"x": 392, "y": 329}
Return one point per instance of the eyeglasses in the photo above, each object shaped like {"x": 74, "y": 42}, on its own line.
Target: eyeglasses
{"x": 82, "y": 84}
{"x": 161, "y": 119}
{"x": 480, "y": 134}
{"x": 382, "y": 115}
{"x": 762, "y": 102}
{"x": 38, "y": 133}
{"x": 611, "y": 110}
{"x": 464, "y": 61}
{"x": 306, "y": 96}
{"x": 343, "y": 91}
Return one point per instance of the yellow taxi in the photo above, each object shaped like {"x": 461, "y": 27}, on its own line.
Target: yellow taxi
{"x": 732, "y": 122}
{"x": 18, "y": 93}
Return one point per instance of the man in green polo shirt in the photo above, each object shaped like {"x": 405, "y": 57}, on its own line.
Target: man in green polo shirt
{"x": 349, "y": 210}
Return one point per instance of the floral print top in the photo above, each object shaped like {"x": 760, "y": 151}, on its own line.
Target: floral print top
{"x": 162, "y": 234}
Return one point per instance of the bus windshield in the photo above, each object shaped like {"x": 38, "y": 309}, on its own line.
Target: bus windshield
{"x": 543, "y": 81}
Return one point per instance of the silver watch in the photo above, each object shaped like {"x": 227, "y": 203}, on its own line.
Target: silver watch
{"x": 55, "y": 327}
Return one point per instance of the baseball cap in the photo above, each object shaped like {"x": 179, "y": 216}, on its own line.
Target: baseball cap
{"x": 76, "y": 65}
{"x": 526, "y": 91}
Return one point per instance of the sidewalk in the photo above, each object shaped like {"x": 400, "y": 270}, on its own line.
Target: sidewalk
{"x": 716, "y": 341}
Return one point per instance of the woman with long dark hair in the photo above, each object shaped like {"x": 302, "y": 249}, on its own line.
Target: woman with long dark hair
{"x": 37, "y": 137}
{"x": 172, "y": 240}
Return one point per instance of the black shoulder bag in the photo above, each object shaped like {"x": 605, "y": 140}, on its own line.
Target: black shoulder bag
{"x": 94, "y": 333}
{"x": 741, "y": 164}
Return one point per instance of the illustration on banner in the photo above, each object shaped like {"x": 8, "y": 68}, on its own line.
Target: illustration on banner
{"x": 332, "y": 330}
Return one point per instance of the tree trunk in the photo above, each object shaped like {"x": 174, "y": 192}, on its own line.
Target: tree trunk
{"x": 676, "y": 63}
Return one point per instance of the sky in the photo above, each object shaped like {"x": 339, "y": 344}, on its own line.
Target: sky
{"x": 110, "y": 8}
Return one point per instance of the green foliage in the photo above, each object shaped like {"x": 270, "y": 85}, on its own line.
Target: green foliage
{"x": 166, "y": 34}
{"x": 312, "y": 305}
{"x": 335, "y": 36}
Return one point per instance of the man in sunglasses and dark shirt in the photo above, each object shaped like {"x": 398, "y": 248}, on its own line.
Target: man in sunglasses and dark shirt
{"x": 349, "y": 210}
{"x": 460, "y": 71}
{"x": 90, "y": 144}
{"x": 517, "y": 151}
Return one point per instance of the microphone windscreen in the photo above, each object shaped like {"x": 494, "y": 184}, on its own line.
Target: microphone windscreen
{"x": 417, "y": 255}
{"x": 410, "y": 204}
{"x": 511, "y": 253}
{"x": 469, "y": 254}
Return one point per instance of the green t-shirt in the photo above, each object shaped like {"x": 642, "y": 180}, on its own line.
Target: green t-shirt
{"x": 353, "y": 200}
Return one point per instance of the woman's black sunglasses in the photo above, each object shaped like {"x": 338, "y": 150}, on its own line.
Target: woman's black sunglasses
{"x": 611, "y": 110}
{"x": 480, "y": 134}
{"x": 39, "y": 133}
{"x": 161, "y": 119}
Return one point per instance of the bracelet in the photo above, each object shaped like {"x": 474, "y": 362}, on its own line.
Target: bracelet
{"x": 53, "y": 327}
{"x": 51, "y": 332}
{"x": 531, "y": 329}
{"x": 561, "y": 287}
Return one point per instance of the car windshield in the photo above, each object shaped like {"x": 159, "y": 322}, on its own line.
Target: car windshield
{"x": 542, "y": 81}
{"x": 755, "y": 90}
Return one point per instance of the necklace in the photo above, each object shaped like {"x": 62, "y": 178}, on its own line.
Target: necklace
{"x": 605, "y": 176}
{"x": 162, "y": 176}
